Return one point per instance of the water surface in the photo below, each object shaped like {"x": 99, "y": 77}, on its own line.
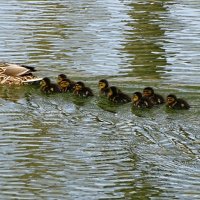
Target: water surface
{"x": 62, "y": 147}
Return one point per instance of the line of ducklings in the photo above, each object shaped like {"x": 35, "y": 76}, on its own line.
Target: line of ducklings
{"x": 147, "y": 99}
{"x": 18, "y": 74}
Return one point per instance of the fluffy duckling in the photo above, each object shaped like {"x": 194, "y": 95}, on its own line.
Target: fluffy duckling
{"x": 104, "y": 87}
{"x": 176, "y": 103}
{"x": 16, "y": 74}
{"x": 47, "y": 87}
{"x": 81, "y": 90}
{"x": 141, "y": 102}
{"x": 155, "y": 99}
{"x": 66, "y": 85}
{"x": 115, "y": 95}
{"x": 60, "y": 78}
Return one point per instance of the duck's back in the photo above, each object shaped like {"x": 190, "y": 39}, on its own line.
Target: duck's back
{"x": 181, "y": 104}
{"x": 121, "y": 98}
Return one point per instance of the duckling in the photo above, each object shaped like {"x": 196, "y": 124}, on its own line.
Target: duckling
{"x": 104, "y": 87}
{"x": 81, "y": 90}
{"x": 141, "y": 102}
{"x": 16, "y": 74}
{"x": 66, "y": 85}
{"x": 60, "y": 78}
{"x": 176, "y": 103}
{"x": 155, "y": 99}
{"x": 115, "y": 95}
{"x": 47, "y": 87}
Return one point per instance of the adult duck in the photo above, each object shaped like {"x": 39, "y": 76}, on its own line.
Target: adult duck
{"x": 16, "y": 74}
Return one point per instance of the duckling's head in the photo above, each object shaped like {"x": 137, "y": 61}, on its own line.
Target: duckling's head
{"x": 79, "y": 86}
{"x": 65, "y": 83}
{"x": 136, "y": 96}
{"x": 45, "y": 82}
{"x": 113, "y": 91}
{"x": 103, "y": 84}
{"x": 61, "y": 77}
{"x": 148, "y": 91}
{"x": 171, "y": 98}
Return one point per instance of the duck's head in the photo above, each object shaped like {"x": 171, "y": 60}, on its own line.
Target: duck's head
{"x": 171, "y": 99}
{"x": 113, "y": 91}
{"x": 65, "y": 83}
{"x": 61, "y": 77}
{"x": 103, "y": 84}
{"x": 148, "y": 91}
{"x": 79, "y": 86}
{"x": 45, "y": 82}
{"x": 136, "y": 96}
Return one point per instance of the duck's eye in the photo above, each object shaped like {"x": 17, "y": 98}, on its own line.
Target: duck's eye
{"x": 101, "y": 85}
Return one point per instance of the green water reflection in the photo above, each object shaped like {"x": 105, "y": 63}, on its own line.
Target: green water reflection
{"x": 144, "y": 45}
{"x": 63, "y": 147}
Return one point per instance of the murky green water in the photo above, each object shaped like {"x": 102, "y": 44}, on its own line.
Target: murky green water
{"x": 61, "y": 147}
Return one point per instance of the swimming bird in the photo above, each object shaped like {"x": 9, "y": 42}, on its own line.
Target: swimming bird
{"x": 155, "y": 99}
{"x": 141, "y": 102}
{"x": 16, "y": 74}
{"x": 117, "y": 96}
{"x": 66, "y": 85}
{"x": 81, "y": 90}
{"x": 176, "y": 103}
{"x": 61, "y": 77}
{"x": 47, "y": 87}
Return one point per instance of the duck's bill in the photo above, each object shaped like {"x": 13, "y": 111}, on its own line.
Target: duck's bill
{"x": 32, "y": 80}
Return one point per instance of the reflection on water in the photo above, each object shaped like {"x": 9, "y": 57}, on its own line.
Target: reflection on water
{"x": 144, "y": 40}
{"x": 63, "y": 147}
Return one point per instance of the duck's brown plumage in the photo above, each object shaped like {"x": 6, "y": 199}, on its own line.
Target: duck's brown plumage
{"x": 16, "y": 74}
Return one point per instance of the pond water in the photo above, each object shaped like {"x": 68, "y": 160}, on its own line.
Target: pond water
{"x": 62, "y": 147}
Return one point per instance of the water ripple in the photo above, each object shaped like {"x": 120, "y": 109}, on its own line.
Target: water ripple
{"x": 59, "y": 146}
